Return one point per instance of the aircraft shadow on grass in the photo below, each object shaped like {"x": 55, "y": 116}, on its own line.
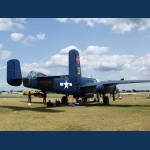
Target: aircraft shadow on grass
{"x": 61, "y": 105}
{"x": 53, "y": 110}
{"x": 30, "y": 108}
{"x": 92, "y": 104}
{"x": 115, "y": 105}
{"x": 33, "y": 102}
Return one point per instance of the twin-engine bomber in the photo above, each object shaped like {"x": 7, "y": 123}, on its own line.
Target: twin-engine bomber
{"x": 72, "y": 84}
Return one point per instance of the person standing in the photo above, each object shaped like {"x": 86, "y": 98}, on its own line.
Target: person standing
{"x": 29, "y": 97}
{"x": 44, "y": 97}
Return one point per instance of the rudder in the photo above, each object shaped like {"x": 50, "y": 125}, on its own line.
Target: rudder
{"x": 14, "y": 76}
{"x": 74, "y": 67}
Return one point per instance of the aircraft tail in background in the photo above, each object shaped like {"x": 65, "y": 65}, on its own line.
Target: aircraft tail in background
{"x": 14, "y": 76}
{"x": 74, "y": 67}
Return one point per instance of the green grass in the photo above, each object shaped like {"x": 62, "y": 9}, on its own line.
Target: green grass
{"x": 130, "y": 113}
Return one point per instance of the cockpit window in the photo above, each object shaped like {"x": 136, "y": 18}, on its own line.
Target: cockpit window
{"x": 35, "y": 74}
{"x": 95, "y": 80}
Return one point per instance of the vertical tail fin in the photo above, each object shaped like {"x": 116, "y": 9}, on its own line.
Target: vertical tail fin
{"x": 14, "y": 76}
{"x": 74, "y": 67}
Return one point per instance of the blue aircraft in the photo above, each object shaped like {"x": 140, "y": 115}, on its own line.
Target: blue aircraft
{"x": 72, "y": 84}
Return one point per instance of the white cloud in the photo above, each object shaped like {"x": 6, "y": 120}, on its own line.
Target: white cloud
{"x": 5, "y": 24}
{"x": 90, "y": 21}
{"x": 1, "y": 46}
{"x": 145, "y": 23}
{"x": 92, "y": 60}
{"x": 62, "y": 19}
{"x": 142, "y": 64}
{"x": 1, "y": 84}
{"x": 38, "y": 67}
{"x": 27, "y": 41}
{"x": 119, "y": 25}
{"x": 122, "y": 27}
{"x": 59, "y": 73}
{"x": 133, "y": 78}
{"x": 2, "y": 67}
{"x": 9, "y": 24}
{"x": 106, "y": 62}
{"x": 4, "y": 54}
{"x": 59, "y": 60}
{"x": 96, "y": 50}
{"x": 16, "y": 36}
{"x": 67, "y": 49}
{"x": 40, "y": 36}
{"x": 20, "y": 20}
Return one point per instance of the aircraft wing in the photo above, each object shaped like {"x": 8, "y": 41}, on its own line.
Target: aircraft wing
{"x": 113, "y": 82}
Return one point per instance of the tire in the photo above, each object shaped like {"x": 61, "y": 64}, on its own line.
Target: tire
{"x": 106, "y": 100}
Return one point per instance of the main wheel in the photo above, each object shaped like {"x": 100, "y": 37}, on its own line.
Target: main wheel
{"x": 105, "y": 100}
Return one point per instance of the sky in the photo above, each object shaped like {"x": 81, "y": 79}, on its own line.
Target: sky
{"x": 109, "y": 48}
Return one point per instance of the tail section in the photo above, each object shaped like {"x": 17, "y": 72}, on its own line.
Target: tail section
{"x": 14, "y": 76}
{"x": 74, "y": 67}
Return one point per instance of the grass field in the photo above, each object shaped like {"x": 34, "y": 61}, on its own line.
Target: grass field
{"x": 130, "y": 113}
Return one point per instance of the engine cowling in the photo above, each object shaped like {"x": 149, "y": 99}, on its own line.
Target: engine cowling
{"x": 103, "y": 89}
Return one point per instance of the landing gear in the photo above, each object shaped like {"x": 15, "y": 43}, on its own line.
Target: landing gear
{"x": 113, "y": 96}
{"x": 105, "y": 100}
{"x": 64, "y": 100}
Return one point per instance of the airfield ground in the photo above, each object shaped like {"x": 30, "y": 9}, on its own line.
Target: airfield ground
{"x": 132, "y": 113}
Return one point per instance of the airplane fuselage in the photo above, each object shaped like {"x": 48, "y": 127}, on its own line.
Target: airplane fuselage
{"x": 58, "y": 85}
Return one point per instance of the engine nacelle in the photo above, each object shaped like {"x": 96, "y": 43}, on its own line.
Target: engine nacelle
{"x": 103, "y": 89}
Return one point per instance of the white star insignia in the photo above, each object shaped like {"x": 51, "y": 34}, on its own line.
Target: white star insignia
{"x": 66, "y": 84}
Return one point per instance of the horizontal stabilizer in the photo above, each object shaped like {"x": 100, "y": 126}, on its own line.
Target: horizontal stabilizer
{"x": 14, "y": 76}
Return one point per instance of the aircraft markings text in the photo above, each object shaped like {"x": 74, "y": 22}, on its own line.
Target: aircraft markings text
{"x": 78, "y": 70}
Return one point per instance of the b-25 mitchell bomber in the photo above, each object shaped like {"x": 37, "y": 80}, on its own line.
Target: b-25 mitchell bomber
{"x": 72, "y": 84}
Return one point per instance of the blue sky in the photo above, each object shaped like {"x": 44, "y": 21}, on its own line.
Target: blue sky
{"x": 110, "y": 48}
